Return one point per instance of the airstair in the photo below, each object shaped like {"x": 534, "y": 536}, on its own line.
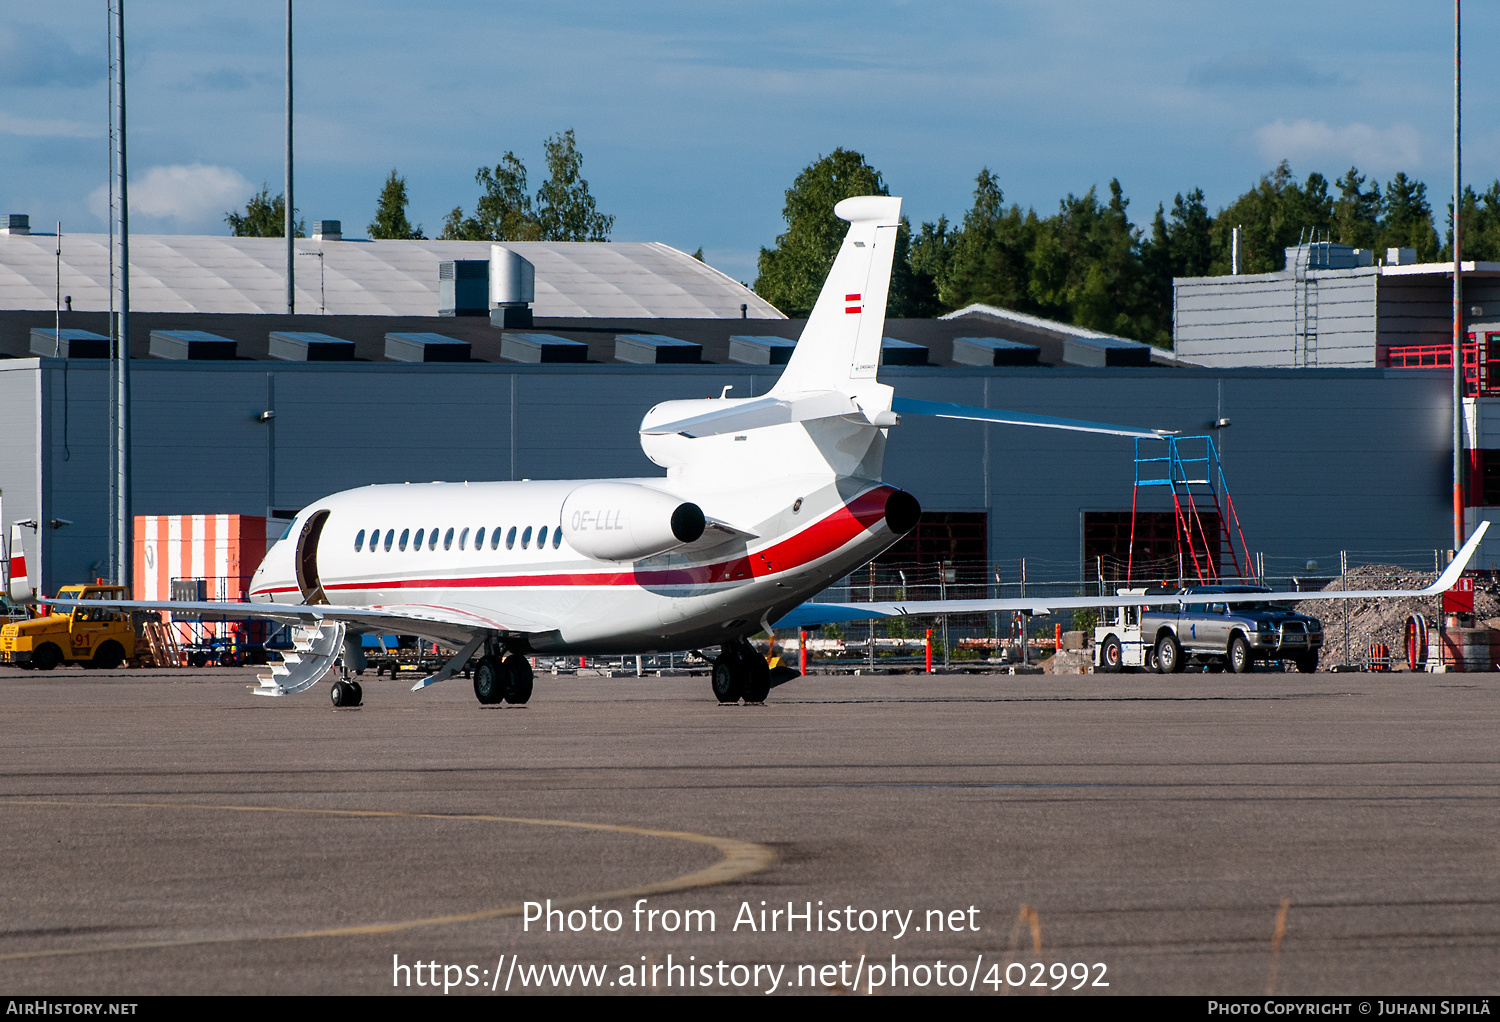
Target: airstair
{"x": 315, "y": 647}
{"x": 1202, "y": 509}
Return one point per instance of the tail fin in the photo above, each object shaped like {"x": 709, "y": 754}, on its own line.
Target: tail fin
{"x": 840, "y": 346}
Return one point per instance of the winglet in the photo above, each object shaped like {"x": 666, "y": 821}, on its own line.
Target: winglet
{"x": 1450, "y": 574}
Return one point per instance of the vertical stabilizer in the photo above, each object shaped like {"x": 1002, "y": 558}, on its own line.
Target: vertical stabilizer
{"x": 840, "y": 347}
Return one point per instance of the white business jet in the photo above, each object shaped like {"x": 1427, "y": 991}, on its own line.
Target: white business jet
{"x": 694, "y": 559}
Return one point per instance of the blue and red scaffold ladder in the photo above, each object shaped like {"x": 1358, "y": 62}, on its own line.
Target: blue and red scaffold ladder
{"x": 1196, "y": 481}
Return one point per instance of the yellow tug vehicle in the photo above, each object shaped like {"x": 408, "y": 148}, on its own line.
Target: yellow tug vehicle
{"x": 96, "y": 637}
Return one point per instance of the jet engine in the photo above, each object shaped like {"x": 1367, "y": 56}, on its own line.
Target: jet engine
{"x": 626, "y": 522}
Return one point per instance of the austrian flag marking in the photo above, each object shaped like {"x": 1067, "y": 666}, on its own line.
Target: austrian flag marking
{"x": 851, "y": 304}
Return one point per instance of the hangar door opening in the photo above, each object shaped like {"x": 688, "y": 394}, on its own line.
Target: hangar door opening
{"x": 948, "y": 551}
{"x": 1158, "y": 556}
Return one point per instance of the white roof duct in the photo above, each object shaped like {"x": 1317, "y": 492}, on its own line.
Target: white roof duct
{"x": 512, "y": 278}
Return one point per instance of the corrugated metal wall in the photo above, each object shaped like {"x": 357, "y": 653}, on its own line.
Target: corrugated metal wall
{"x": 1317, "y": 460}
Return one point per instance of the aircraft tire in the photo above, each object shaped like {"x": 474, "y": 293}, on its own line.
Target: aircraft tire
{"x": 359, "y": 693}
{"x": 46, "y": 657}
{"x": 1109, "y": 655}
{"x": 490, "y": 681}
{"x": 1169, "y": 658}
{"x": 340, "y": 695}
{"x": 519, "y": 679}
{"x": 757, "y": 679}
{"x": 728, "y": 678}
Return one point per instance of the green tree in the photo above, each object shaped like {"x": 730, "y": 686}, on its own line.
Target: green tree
{"x": 792, "y": 273}
{"x": 1406, "y": 218}
{"x": 986, "y": 260}
{"x": 390, "y": 213}
{"x": 264, "y": 217}
{"x": 1272, "y": 216}
{"x": 1481, "y": 225}
{"x": 563, "y": 209}
{"x": 1356, "y": 212}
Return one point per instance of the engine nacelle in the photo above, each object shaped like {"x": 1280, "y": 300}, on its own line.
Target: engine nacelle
{"x": 626, "y": 522}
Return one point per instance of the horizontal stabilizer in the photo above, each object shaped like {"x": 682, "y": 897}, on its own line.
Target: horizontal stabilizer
{"x": 737, "y": 415}
{"x": 947, "y": 410}
{"x": 810, "y": 615}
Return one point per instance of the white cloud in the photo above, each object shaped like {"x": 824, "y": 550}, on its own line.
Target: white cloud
{"x": 31, "y": 126}
{"x": 1316, "y": 145}
{"x": 192, "y": 194}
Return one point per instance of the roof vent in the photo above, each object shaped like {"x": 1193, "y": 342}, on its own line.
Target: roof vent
{"x": 426, "y": 347}
{"x": 760, "y": 351}
{"x": 994, "y": 351}
{"x": 309, "y": 346}
{"x": 15, "y": 223}
{"x": 656, "y": 349}
{"x": 902, "y": 353}
{"x": 68, "y": 343}
{"x": 328, "y": 230}
{"x": 463, "y": 287}
{"x": 197, "y": 345}
{"x": 526, "y": 347}
{"x": 1105, "y": 351}
{"x": 512, "y": 288}
{"x": 1400, "y": 256}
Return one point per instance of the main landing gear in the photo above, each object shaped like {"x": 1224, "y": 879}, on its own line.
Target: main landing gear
{"x": 500, "y": 677}
{"x": 741, "y": 673}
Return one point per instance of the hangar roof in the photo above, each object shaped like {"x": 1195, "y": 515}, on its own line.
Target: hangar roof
{"x": 207, "y": 274}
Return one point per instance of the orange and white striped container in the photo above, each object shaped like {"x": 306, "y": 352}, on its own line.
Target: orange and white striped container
{"x": 224, "y": 549}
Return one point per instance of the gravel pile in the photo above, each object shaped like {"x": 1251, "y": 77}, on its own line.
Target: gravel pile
{"x": 1383, "y": 620}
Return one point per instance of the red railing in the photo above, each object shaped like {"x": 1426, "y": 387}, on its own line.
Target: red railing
{"x": 1481, "y": 375}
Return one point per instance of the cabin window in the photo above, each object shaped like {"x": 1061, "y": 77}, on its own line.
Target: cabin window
{"x": 374, "y": 539}
{"x": 390, "y": 537}
{"x": 448, "y": 539}
{"x": 495, "y": 538}
{"x": 557, "y": 537}
{"x": 359, "y": 541}
{"x": 405, "y": 535}
{"x": 526, "y": 538}
{"x": 432, "y": 540}
{"x": 416, "y": 544}
{"x": 510, "y": 538}
{"x": 541, "y": 538}
{"x": 479, "y": 539}
{"x": 463, "y": 539}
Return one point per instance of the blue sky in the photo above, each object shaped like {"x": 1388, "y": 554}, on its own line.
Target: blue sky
{"x": 693, "y": 118}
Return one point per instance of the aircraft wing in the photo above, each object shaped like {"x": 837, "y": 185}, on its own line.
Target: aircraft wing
{"x": 441, "y": 622}
{"x": 814, "y": 614}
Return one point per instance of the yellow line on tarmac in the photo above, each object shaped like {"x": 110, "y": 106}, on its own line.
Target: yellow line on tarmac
{"x": 740, "y": 859}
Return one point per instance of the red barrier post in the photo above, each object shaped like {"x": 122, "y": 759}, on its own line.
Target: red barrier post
{"x": 802, "y": 651}
{"x": 1057, "y": 637}
{"x": 928, "y": 644}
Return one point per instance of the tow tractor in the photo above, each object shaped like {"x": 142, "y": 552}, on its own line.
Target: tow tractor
{"x": 1118, "y": 645}
{"x": 96, "y": 637}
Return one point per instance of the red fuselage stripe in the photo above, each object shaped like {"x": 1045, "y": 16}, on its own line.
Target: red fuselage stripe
{"x": 818, "y": 540}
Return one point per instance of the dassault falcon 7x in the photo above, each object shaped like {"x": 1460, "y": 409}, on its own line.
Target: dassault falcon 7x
{"x": 695, "y": 559}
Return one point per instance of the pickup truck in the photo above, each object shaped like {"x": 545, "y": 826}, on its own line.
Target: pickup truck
{"x": 1193, "y": 628}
